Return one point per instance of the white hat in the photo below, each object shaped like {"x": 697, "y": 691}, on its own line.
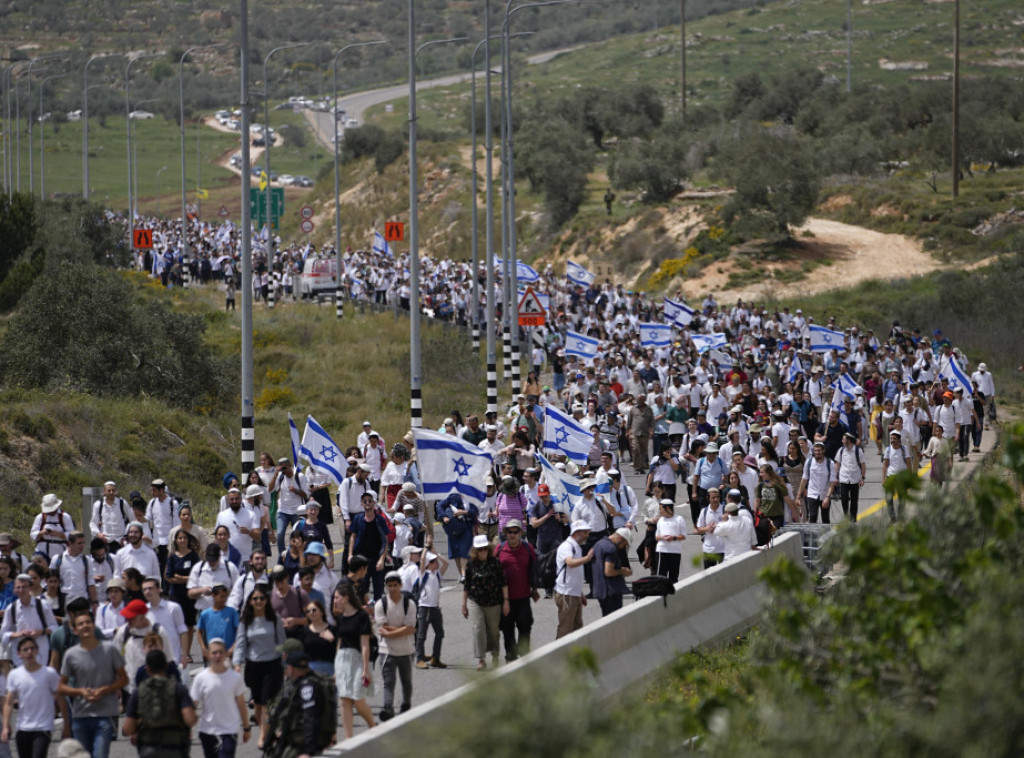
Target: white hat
{"x": 301, "y": 510}
{"x": 579, "y": 526}
{"x": 982, "y": 367}
{"x": 364, "y": 467}
{"x": 711, "y": 448}
{"x": 736, "y": 409}
{"x": 480, "y": 541}
{"x": 587, "y": 483}
{"x": 367, "y": 423}
{"x": 51, "y": 503}
{"x": 732, "y": 507}
{"x": 398, "y": 518}
{"x": 431, "y": 557}
{"x": 623, "y": 532}
{"x": 253, "y": 490}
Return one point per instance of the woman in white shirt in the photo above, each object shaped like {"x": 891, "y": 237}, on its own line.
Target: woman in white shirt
{"x": 670, "y": 532}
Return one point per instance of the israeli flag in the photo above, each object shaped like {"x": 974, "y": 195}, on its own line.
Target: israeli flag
{"x": 580, "y": 345}
{"x": 296, "y": 445}
{"x": 526, "y": 273}
{"x": 705, "y": 342}
{"x": 678, "y": 313}
{"x": 322, "y": 452}
{"x": 823, "y": 340}
{"x": 380, "y": 245}
{"x": 449, "y": 464}
{"x": 956, "y": 376}
{"x": 562, "y": 434}
{"x": 578, "y": 275}
{"x": 794, "y": 369}
{"x": 565, "y": 488}
{"x": 655, "y": 335}
{"x": 844, "y": 387}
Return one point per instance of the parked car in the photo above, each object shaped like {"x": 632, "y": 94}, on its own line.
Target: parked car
{"x": 303, "y": 181}
{"x": 287, "y": 180}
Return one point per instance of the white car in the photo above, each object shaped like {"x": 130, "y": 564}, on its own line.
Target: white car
{"x": 141, "y": 115}
{"x": 286, "y": 179}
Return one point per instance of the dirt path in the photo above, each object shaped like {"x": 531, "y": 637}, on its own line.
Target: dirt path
{"x": 856, "y": 254}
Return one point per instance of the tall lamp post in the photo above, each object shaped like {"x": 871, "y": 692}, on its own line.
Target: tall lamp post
{"x": 475, "y": 311}
{"x": 266, "y": 141}
{"x": 128, "y": 131}
{"x": 248, "y": 432}
{"x": 135, "y": 150}
{"x": 339, "y": 306}
{"x": 415, "y": 385}
{"x": 85, "y": 121}
{"x": 8, "y": 173}
{"x": 42, "y": 143}
{"x": 159, "y": 171}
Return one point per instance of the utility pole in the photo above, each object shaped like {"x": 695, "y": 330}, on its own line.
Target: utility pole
{"x": 248, "y": 431}
{"x": 956, "y": 99}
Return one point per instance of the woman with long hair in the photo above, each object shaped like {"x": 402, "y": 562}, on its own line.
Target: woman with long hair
{"x": 352, "y": 670}
{"x": 183, "y": 558}
{"x": 792, "y": 470}
{"x": 484, "y": 600}
{"x": 259, "y": 633}
{"x": 771, "y": 494}
{"x": 318, "y": 639}
{"x": 187, "y": 523}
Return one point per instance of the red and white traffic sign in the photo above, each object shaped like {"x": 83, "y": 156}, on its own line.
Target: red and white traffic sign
{"x": 223, "y": 212}
{"x": 531, "y": 310}
{"x": 306, "y": 212}
{"x": 306, "y": 226}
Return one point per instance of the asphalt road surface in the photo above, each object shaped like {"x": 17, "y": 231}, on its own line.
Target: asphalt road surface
{"x": 457, "y": 651}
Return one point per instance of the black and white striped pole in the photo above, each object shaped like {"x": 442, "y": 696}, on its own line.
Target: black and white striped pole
{"x": 248, "y": 432}
{"x": 270, "y": 282}
{"x": 492, "y": 364}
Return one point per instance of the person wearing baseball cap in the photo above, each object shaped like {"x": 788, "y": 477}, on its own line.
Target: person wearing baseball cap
{"x": 569, "y": 562}
{"x": 548, "y": 523}
{"x": 611, "y": 568}
{"x": 517, "y": 558}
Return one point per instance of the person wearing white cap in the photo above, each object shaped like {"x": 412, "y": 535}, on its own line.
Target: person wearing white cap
{"x": 110, "y": 517}
{"x": 431, "y": 568}
{"x": 484, "y": 600}
{"x": 364, "y": 436}
{"x": 242, "y": 524}
{"x": 51, "y": 527}
{"x": 569, "y": 563}
{"x": 983, "y": 378}
{"x": 611, "y": 570}
{"x": 737, "y": 533}
{"x": 518, "y": 558}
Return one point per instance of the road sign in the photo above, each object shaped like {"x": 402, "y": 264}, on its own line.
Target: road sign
{"x": 143, "y": 239}
{"x": 202, "y": 194}
{"x": 394, "y": 231}
{"x": 264, "y": 180}
{"x": 258, "y": 206}
{"x": 306, "y": 212}
{"x": 306, "y": 226}
{"x": 223, "y": 212}
{"x": 531, "y": 312}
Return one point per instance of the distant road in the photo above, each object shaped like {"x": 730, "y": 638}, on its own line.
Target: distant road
{"x": 355, "y": 105}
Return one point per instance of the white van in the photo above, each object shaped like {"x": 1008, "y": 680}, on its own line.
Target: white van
{"x": 319, "y": 275}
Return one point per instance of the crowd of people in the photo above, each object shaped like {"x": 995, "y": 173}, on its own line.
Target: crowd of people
{"x": 298, "y": 594}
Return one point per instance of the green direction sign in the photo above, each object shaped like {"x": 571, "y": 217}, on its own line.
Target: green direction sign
{"x": 258, "y": 206}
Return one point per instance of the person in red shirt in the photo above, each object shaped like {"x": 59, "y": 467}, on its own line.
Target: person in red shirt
{"x": 517, "y": 558}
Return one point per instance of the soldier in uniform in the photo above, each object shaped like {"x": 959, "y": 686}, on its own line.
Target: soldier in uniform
{"x": 297, "y": 721}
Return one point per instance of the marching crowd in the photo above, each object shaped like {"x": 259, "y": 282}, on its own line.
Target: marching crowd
{"x": 300, "y": 589}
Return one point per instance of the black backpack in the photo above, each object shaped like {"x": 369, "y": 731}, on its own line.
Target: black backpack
{"x": 546, "y": 570}
{"x": 654, "y": 585}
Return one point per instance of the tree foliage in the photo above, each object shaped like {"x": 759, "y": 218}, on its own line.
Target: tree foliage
{"x": 84, "y": 328}
{"x": 657, "y": 166}
{"x": 554, "y": 157}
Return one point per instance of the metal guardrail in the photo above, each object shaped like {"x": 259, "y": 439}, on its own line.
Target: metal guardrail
{"x": 813, "y": 537}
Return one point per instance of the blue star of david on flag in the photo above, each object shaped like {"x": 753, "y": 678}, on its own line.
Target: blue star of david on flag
{"x": 461, "y": 467}
{"x": 562, "y": 434}
{"x": 442, "y": 455}
{"x": 315, "y": 438}
{"x": 823, "y": 340}
{"x": 328, "y": 453}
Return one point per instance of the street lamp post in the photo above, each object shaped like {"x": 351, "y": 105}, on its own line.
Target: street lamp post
{"x": 266, "y": 146}
{"x": 339, "y": 306}
{"x": 42, "y": 139}
{"x": 415, "y": 386}
{"x": 128, "y": 132}
{"x": 85, "y": 121}
{"x": 248, "y": 432}
{"x": 475, "y": 311}
{"x": 8, "y": 174}
{"x": 159, "y": 171}
{"x": 135, "y": 151}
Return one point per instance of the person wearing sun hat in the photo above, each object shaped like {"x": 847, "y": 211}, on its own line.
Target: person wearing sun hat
{"x": 569, "y": 562}
{"x": 51, "y": 527}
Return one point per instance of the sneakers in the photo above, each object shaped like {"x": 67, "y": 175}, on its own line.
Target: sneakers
{"x": 462, "y": 579}
{"x": 405, "y": 707}
{"x": 422, "y": 665}
{"x": 481, "y": 665}
{"x": 386, "y": 714}
{"x": 435, "y": 663}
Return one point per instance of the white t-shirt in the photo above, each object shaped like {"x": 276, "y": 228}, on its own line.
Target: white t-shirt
{"x": 215, "y": 695}
{"x": 673, "y": 526}
{"x": 171, "y": 618}
{"x": 849, "y": 467}
{"x": 430, "y": 589}
{"x": 897, "y": 458}
{"x": 712, "y": 542}
{"x": 569, "y": 580}
{"x": 34, "y": 692}
{"x": 234, "y": 521}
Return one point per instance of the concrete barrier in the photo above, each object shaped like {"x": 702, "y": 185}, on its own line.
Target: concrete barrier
{"x": 629, "y": 646}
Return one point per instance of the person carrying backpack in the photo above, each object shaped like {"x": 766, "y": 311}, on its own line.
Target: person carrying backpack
{"x": 395, "y": 617}
{"x": 160, "y": 713}
{"x": 303, "y": 721}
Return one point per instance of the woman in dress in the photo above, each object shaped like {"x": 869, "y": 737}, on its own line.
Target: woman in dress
{"x": 183, "y": 557}
{"x": 484, "y": 600}
{"x": 263, "y": 510}
{"x": 318, "y": 639}
{"x": 259, "y": 633}
{"x": 188, "y": 524}
{"x": 352, "y": 670}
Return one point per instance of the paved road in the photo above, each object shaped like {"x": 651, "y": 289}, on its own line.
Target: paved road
{"x": 355, "y": 105}
{"x": 458, "y": 653}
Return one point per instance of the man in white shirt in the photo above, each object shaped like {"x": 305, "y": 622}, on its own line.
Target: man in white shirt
{"x": 136, "y": 554}
{"x": 215, "y": 570}
{"x": 242, "y": 524}
{"x": 817, "y": 484}
{"x": 569, "y": 597}
{"x": 162, "y": 516}
{"x": 110, "y": 517}
{"x": 28, "y": 616}
{"x": 983, "y": 378}
{"x": 245, "y": 584}
{"x": 292, "y": 491}
{"x": 350, "y": 493}
{"x": 894, "y": 460}
{"x": 736, "y": 533}
{"x": 73, "y": 568}
{"x": 171, "y": 619}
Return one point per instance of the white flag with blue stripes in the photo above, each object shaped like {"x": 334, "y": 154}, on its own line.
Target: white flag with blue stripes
{"x": 526, "y": 273}
{"x": 381, "y": 245}
{"x": 321, "y": 451}
{"x": 794, "y": 369}
{"x": 956, "y": 376}
{"x": 296, "y": 444}
{"x": 563, "y": 435}
{"x": 578, "y": 275}
{"x": 655, "y": 335}
{"x": 580, "y": 345}
{"x": 565, "y": 488}
{"x": 844, "y": 387}
{"x": 450, "y": 464}
{"x": 678, "y": 313}
{"x": 823, "y": 340}
{"x": 705, "y": 342}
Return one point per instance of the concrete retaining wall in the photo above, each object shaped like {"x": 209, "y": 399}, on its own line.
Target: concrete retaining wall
{"x": 630, "y": 645}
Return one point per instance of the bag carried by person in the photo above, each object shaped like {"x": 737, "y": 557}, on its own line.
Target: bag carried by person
{"x": 160, "y": 720}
